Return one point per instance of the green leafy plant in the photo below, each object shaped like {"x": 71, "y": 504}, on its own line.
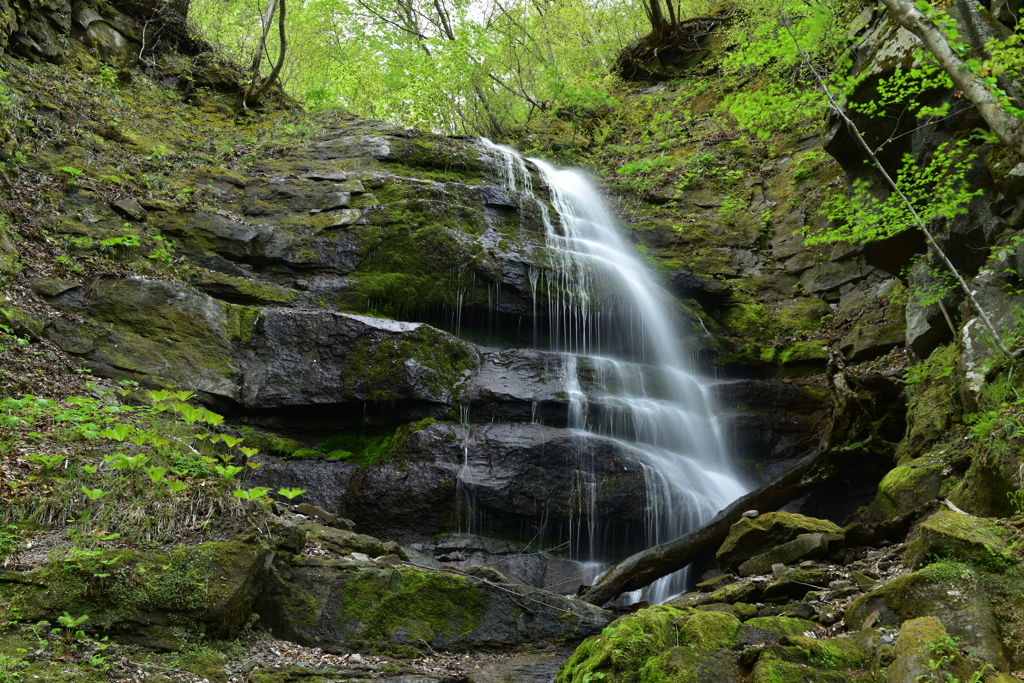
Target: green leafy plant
{"x": 291, "y": 493}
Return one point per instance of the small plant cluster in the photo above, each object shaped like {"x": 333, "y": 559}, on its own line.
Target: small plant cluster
{"x": 944, "y": 652}
{"x": 143, "y": 470}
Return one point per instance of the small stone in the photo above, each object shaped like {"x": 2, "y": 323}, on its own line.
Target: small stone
{"x": 778, "y": 568}
{"x": 808, "y": 564}
{"x": 829, "y": 617}
{"x": 360, "y": 557}
{"x": 248, "y": 665}
{"x": 875, "y": 554}
{"x": 356, "y": 659}
{"x": 751, "y": 514}
{"x": 886, "y": 640}
{"x": 885, "y": 566}
{"x": 130, "y": 209}
{"x": 331, "y": 174}
{"x": 336, "y": 200}
{"x": 800, "y": 610}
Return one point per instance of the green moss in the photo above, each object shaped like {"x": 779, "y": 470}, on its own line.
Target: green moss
{"x": 305, "y": 454}
{"x": 709, "y": 630}
{"x": 836, "y": 653}
{"x": 409, "y": 605}
{"x": 241, "y": 322}
{"x": 375, "y": 369}
{"x": 906, "y": 487}
{"x": 120, "y": 590}
{"x": 415, "y": 263}
{"x": 268, "y": 442}
{"x": 781, "y": 626}
{"x": 623, "y": 648}
{"x": 370, "y": 448}
{"x": 10, "y": 261}
{"x": 772, "y": 671}
{"x": 803, "y": 351}
{"x": 22, "y": 322}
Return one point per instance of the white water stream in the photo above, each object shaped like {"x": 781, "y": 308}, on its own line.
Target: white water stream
{"x": 606, "y": 313}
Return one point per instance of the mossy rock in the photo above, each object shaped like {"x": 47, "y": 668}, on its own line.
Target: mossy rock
{"x": 772, "y": 671}
{"x": 344, "y": 542}
{"x": 689, "y": 665}
{"x": 803, "y": 352}
{"x": 793, "y": 584}
{"x": 139, "y": 597}
{"x": 401, "y": 610}
{"x": 21, "y": 322}
{"x": 949, "y": 591}
{"x": 623, "y": 648}
{"x": 906, "y": 488}
{"x": 10, "y": 259}
{"x": 269, "y": 443}
{"x": 932, "y": 406}
{"x": 781, "y": 626}
{"x": 155, "y": 332}
{"x": 948, "y": 534}
{"x": 835, "y": 653}
{"x": 923, "y": 642}
{"x": 713, "y": 630}
{"x": 754, "y": 536}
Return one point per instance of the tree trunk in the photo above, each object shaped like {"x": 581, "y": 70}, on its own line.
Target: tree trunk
{"x": 1007, "y": 127}
{"x": 258, "y": 87}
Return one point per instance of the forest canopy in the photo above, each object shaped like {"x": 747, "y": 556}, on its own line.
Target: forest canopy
{"x": 489, "y": 66}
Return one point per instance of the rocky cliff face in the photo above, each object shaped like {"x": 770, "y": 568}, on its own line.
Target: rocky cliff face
{"x": 371, "y": 294}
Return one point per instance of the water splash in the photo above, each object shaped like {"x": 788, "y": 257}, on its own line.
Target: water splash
{"x": 606, "y": 313}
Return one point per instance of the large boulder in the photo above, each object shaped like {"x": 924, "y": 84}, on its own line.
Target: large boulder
{"x": 954, "y": 535}
{"x": 753, "y": 536}
{"x": 344, "y": 606}
{"x": 952, "y": 593}
{"x": 145, "y": 598}
{"x": 164, "y": 334}
{"x": 518, "y": 476}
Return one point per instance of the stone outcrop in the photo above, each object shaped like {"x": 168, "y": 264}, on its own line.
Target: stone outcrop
{"x": 753, "y": 536}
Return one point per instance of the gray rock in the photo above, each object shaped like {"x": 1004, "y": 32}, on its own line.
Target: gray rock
{"x": 518, "y": 477}
{"x": 960, "y": 605}
{"x": 130, "y": 209}
{"x": 927, "y": 326}
{"x": 341, "y": 606}
{"x": 804, "y": 545}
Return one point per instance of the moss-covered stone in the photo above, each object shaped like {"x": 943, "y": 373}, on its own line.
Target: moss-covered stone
{"x": 690, "y": 665}
{"x": 709, "y": 630}
{"x": 948, "y": 591}
{"x": 401, "y": 610}
{"x": 906, "y": 487}
{"x": 138, "y": 596}
{"x": 416, "y": 604}
{"x": 623, "y": 648}
{"x": 932, "y": 406}
{"x": 948, "y": 534}
{"x": 753, "y": 536}
{"x": 268, "y": 442}
{"x": 835, "y": 653}
{"x": 781, "y": 626}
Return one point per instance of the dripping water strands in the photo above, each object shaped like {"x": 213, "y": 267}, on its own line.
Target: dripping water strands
{"x": 624, "y": 369}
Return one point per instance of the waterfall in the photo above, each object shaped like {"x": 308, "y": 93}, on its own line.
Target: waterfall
{"x": 606, "y": 313}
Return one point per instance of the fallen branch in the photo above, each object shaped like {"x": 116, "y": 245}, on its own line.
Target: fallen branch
{"x": 647, "y": 566}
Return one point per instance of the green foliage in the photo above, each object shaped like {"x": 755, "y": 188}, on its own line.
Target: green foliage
{"x": 166, "y": 463}
{"x": 10, "y": 540}
{"x": 937, "y": 191}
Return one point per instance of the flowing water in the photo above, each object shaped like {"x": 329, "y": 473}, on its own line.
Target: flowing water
{"x": 606, "y": 313}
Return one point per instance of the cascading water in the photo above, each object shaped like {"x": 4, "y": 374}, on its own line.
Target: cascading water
{"x": 652, "y": 403}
